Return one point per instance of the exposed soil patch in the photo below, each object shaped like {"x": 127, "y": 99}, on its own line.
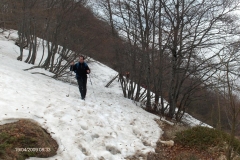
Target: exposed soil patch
{"x": 24, "y": 139}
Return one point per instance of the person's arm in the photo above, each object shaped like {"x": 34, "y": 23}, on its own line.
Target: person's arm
{"x": 87, "y": 70}
{"x": 72, "y": 67}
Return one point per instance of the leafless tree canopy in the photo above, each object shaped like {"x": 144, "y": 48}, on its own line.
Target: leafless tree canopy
{"x": 67, "y": 29}
{"x": 170, "y": 48}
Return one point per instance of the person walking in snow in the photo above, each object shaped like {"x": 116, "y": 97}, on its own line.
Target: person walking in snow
{"x": 81, "y": 69}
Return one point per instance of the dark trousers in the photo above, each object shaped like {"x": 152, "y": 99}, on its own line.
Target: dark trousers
{"x": 82, "y": 84}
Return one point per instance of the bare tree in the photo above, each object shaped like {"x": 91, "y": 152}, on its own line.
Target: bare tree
{"x": 229, "y": 80}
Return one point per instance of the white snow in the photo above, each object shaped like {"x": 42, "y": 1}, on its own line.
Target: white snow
{"x": 105, "y": 125}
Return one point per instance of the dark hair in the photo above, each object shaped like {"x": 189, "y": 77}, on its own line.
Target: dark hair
{"x": 82, "y": 57}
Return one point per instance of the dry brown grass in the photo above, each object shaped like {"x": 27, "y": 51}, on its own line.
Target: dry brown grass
{"x": 26, "y": 135}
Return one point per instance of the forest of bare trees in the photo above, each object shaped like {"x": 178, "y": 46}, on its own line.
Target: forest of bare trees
{"x": 171, "y": 49}
{"x": 64, "y": 23}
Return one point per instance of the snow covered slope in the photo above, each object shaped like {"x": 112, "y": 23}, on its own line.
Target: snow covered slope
{"x": 105, "y": 125}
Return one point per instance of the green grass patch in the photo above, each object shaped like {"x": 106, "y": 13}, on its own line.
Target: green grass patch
{"x": 204, "y": 137}
{"x": 5, "y": 142}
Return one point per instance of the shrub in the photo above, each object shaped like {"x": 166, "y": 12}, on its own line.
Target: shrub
{"x": 204, "y": 137}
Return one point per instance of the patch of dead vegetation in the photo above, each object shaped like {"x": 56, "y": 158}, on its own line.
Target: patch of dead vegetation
{"x": 24, "y": 139}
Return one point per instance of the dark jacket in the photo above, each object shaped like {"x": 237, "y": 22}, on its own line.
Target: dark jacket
{"x": 80, "y": 69}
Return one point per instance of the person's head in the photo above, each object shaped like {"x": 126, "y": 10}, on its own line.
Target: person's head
{"x": 81, "y": 59}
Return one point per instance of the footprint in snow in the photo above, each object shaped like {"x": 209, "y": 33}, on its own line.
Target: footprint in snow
{"x": 84, "y": 150}
{"x": 95, "y": 136}
{"x": 113, "y": 150}
{"x": 84, "y": 127}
